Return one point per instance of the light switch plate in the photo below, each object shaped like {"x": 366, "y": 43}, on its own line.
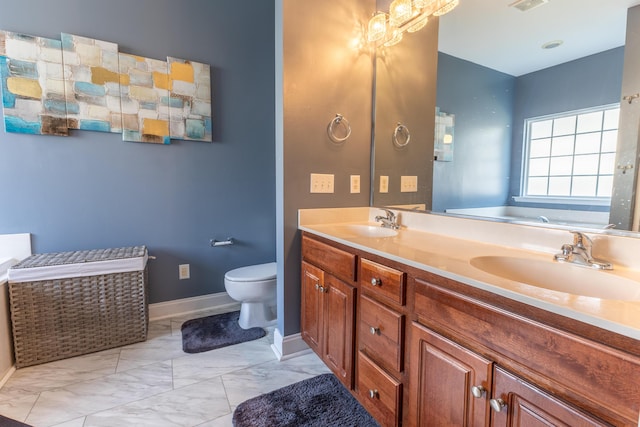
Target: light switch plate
{"x": 408, "y": 184}
{"x": 321, "y": 183}
{"x": 384, "y": 184}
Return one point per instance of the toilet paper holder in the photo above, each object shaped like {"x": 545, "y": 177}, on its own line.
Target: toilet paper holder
{"x": 214, "y": 242}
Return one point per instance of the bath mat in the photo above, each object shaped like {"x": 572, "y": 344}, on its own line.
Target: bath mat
{"x": 211, "y": 332}
{"x": 8, "y": 422}
{"x": 320, "y": 401}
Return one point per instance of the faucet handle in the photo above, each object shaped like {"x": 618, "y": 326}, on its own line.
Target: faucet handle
{"x": 581, "y": 240}
{"x": 390, "y": 214}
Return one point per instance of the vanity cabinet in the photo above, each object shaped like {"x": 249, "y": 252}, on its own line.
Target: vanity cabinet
{"x": 328, "y": 309}
{"x": 419, "y": 349}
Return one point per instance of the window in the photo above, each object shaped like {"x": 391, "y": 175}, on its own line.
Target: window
{"x": 571, "y": 155}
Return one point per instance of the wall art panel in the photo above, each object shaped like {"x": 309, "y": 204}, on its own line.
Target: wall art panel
{"x": 33, "y": 98}
{"x": 144, "y": 89}
{"x": 92, "y": 84}
{"x": 190, "y": 100}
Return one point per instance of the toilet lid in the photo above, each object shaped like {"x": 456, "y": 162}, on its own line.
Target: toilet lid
{"x": 252, "y": 273}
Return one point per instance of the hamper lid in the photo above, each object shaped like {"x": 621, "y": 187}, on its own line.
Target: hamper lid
{"x": 253, "y": 273}
{"x": 58, "y": 265}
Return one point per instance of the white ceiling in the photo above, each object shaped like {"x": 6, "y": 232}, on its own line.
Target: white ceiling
{"x": 492, "y": 34}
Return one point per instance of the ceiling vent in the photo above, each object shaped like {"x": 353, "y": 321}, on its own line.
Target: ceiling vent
{"x": 525, "y": 5}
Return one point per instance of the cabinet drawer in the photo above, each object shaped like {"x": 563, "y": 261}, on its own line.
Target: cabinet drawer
{"x": 382, "y": 282}
{"x": 340, "y": 263}
{"x": 381, "y": 334}
{"x": 379, "y": 393}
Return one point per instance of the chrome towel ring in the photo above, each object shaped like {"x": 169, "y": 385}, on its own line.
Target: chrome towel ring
{"x": 333, "y": 124}
{"x": 402, "y": 131}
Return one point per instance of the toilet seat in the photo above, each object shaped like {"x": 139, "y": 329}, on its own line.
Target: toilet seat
{"x": 252, "y": 273}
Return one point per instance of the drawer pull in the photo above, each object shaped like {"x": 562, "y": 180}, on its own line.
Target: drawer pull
{"x": 373, "y": 394}
{"x": 376, "y": 281}
{"x": 497, "y": 404}
{"x": 478, "y": 391}
{"x": 375, "y": 331}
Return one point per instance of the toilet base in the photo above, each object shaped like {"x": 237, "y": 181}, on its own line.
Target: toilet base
{"x": 256, "y": 314}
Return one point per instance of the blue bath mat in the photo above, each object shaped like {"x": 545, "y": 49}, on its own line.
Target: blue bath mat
{"x": 211, "y": 332}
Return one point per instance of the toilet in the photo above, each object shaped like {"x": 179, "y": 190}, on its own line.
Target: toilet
{"x": 255, "y": 287}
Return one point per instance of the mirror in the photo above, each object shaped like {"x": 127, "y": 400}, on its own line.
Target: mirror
{"x": 489, "y": 95}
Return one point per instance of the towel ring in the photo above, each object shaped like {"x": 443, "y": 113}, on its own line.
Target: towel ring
{"x": 401, "y": 130}
{"x": 337, "y": 120}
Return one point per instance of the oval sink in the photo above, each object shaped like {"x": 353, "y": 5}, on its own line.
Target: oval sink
{"x": 370, "y": 230}
{"x": 560, "y": 277}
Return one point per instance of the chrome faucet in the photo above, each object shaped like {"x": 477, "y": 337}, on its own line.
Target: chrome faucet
{"x": 580, "y": 253}
{"x": 389, "y": 221}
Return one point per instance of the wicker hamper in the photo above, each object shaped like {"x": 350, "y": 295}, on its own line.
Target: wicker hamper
{"x": 72, "y": 303}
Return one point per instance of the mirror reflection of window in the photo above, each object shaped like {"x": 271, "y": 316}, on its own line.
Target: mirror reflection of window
{"x": 571, "y": 155}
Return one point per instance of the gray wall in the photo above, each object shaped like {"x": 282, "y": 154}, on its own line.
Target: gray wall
{"x": 324, "y": 73}
{"x": 586, "y": 82}
{"x": 482, "y": 100}
{"x": 400, "y": 75}
{"x": 92, "y": 190}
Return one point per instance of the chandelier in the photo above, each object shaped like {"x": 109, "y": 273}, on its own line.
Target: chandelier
{"x": 386, "y": 29}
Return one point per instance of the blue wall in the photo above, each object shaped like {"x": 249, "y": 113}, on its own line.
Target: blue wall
{"x": 92, "y": 190}
{"x": 482, "y": 100}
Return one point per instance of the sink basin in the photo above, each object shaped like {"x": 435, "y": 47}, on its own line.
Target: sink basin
{"x": 560, "y": 277}
{"x": 360, "y": 230}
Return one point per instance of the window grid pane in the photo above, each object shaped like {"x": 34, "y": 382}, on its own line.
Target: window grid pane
{"x": 572, "y": 155}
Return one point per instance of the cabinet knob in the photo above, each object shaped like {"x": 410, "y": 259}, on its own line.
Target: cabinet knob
{"x": 317, "y": 286}
{"x": 375, "y": 331}
{"x": 376, "y": 281}
{"x": 497, "y": 404}
{"x": 373, "y": 394}
{"x": 322, "y": 289}
{"x": 478, "y": 391}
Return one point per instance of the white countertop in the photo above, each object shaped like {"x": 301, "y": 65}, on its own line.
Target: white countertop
{"x": 445, "y": 246}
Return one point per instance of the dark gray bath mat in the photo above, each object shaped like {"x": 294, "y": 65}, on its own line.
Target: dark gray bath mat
{"x": 8, "y": 422}
{"x": 320, "y": 401}
{"x": 211, "y": 332}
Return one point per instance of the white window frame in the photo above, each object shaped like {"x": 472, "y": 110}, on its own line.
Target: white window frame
{"x": 566, "y": 200}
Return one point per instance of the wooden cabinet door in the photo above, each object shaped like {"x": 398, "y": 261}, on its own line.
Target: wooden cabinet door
{"x": 518, "y": 403}
{"x": 339, "y": 326}
{"x": 443, "y": 375}
{"x": 312, "y": 306}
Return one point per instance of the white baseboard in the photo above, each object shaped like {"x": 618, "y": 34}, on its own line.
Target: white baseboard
{"x": 7, "y": 375}
{"x": 288, "y": 347}
{"x": 179, "y": 307}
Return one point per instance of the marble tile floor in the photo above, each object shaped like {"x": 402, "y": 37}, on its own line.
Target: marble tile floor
{"x": 153, "y": 383}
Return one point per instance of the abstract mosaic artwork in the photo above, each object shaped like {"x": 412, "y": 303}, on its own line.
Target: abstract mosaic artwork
{"x": 50, "y": 86}
{"x": 32, "y": 84}
{"x": 92, "y": 84}
{"x": 190, "y": 101}
{"x": 144, "y": 91}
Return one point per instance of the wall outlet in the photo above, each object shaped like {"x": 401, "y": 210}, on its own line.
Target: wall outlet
{"x": 183, "y": 272}
{"x": 408, "y": 184}
{"x": 321, "y": 183}
{"x": 384, "y": 184}
{"x": 355, "y": 183}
